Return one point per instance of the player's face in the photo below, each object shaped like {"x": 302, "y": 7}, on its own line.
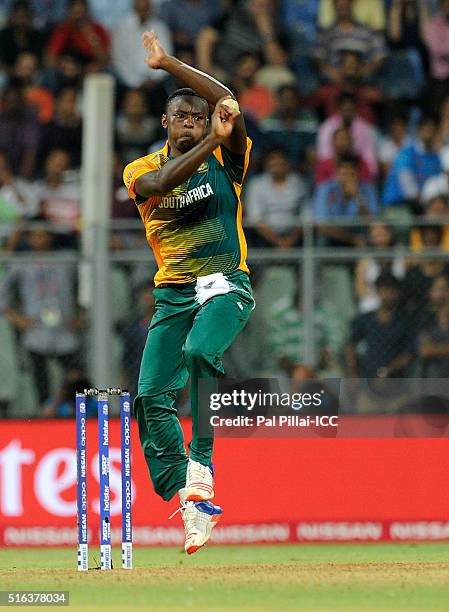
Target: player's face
{"x": 186, "y": 122}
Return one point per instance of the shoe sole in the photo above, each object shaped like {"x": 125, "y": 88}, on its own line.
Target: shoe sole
{"x": 192, "y": 549}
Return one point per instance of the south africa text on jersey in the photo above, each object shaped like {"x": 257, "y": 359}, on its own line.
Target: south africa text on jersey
{"x": 194, "y": 195}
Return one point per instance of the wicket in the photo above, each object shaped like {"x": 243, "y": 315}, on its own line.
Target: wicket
{"x": 103, "y": 466}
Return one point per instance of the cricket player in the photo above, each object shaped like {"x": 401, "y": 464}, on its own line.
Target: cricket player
{"x": 188, "y": 195}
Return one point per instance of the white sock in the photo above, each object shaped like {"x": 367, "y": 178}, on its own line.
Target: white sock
{"x": 182, "y": 495}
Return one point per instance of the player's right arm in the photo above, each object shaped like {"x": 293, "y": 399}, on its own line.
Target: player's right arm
{"x": 205, "y": 85}
{"x": 177, "y": 170}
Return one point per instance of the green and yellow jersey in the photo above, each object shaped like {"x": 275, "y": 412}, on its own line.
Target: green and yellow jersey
{"x": 196, "y": 229}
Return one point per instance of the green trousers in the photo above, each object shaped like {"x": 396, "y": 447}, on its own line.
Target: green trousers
{"x": 184, "y": 339}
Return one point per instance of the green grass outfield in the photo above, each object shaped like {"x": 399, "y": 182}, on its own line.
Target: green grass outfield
{"x": 291, "y": 577}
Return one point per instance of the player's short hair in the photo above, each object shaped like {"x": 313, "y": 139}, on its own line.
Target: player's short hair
{"x": 184, "y": 92}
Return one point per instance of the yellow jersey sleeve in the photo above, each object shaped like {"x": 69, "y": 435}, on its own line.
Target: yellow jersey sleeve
{"x": 236, "y": 166}
{"x": 135, "y": 170}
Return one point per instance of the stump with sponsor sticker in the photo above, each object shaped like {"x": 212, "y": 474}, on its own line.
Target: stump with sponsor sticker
{"x": 102, "y": 397}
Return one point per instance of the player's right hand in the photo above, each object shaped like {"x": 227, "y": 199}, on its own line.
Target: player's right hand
{"x": 156, "y": 52}
{"x": 222, "y": 122}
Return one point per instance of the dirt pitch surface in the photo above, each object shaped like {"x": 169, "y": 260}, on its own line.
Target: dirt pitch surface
{"x": 291, "y": 577}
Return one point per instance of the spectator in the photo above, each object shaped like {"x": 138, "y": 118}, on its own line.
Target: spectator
{"x": 362, "y": 133}
{"x": 108, "y": 13}
{"x": 286, "y": 340}
{"x": 19, "y": 132}
{"x": 326, "y": 169}
{"x": 134, "y": 335}
{"x": 25, "y": 74}
{"x": 128, "y": 55}
{"x": 366, "y": 96}
{"x": 433, "y": 346}
{"x": 437, "y": 185}
{"x": 46, "y": 315}
{"x": 413, "y": 165}
{"x": 291, "y": 126}
{"x": 345, "y": 196}
{"x": 64, "y": 131}
{"x": 186, "y": 18}
{"x": 253, "y": 98}
{"x": 81, "y": 37}
{"x": 45, "y": 13}
{"x": 277, "y": 73}
{"x": 408, "y": 20}
{"x": 418, "y": 280}
{"x": 370, "y": 13}
{"x": 381, "y": 344}
{"x": 59, "y": 196}
{"x": 62, "y": 405}
{"x": 122, "y": 207}
{"x": 395, "y": 139}
{"x": 346, "y": 34}
{"x": 442, "y": 135}
{"x": 135, "y": 129}
{"x": 300, "y": 19}
{"x": 17, "y": 201}
{"x": 408, "y": 56}
{"x": 438, "y": 207}
{"x": 432, "y": 236}
{"x": 19, "y": 36}
{"x": 275, "y": 200}
{"x": 436, "y": 38}
{"x": 369, "y": 269}
{"x": 250, "y": 28}
{"x": 68, "y": 72}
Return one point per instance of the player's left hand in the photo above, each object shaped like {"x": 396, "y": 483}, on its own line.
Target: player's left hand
{"x": 156, "y": 52}
{"x": 223, "y": 119}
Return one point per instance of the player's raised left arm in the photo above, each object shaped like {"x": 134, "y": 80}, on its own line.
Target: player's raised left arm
{"x": 206, "y": 86}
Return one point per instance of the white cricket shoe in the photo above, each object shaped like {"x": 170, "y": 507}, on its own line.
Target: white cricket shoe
{"x": 199, "y": 481}
{"x": 199, "y": 520}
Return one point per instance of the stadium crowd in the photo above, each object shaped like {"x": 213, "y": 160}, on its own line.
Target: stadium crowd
{"x": 347, "y": 104}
